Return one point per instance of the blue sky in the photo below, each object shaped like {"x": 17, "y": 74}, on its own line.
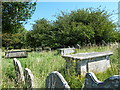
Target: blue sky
{"x": 47, "y": 10}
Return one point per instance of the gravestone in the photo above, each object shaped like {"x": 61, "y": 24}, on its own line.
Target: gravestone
{"x": 56, "y": 81}
{"x": 92, "y": 82}
{"x": 29, "y": 78}
{"x": 78, "y": 46}
{"x": 68, "y": 46}
{"x": 16, "y": 54}
{"x": 47, "y": 49}
{"x": 18, "y": 71}
{"x": 88, "y": 62}
{"x": 65, "y": 51}
{"x": 38, "y": 49}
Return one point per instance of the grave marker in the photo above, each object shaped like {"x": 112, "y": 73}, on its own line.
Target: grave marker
{"x": 38, "y": 49}
{"x": 92, "y": 82}
{"x": 56, "y": 81}
{"x": 18, "y": 71}
{"x": 78, "y": 46}
{"x": 88, "y": 62}
{"x": 16, "y": 54}
{"x": 65, "y": 51}
{"x": 29, "y": 78}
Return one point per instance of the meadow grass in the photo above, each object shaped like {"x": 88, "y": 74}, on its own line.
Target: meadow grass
{"x": 42, "y": 63}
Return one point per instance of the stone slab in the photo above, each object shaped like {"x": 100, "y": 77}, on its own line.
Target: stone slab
{"x": 16, "y": 54}
{"x": 82, "y": 56}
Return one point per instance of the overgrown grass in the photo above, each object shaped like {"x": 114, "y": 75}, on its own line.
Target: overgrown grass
{"x": 42, "y": 63}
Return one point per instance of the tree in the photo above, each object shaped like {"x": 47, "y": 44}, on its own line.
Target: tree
{"x": 14, "y": 14}
{"x": 80, "y": 26}
{"x": 17, "y": 40}
{"x": 84, "y": 26}
{"x": 41, "y": 33}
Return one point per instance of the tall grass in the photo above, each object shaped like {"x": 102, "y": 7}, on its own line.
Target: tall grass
{"x": 42, "y": 63}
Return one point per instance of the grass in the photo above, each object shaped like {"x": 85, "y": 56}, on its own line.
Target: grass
{"x": 42, "y": 63}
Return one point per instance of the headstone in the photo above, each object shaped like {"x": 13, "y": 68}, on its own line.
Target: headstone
{"x": 18, "y": 71}
{"x": 68, "y": 46}
{"x": 56, "y": 81}
{"x": 47, "y": 49}
{"x": 29, "y": 78}
{"x": 16, "y": 54}
{"x": 92, "y": 82}
{"x": 78, "y": 46}
{"x": 38, "y": 49}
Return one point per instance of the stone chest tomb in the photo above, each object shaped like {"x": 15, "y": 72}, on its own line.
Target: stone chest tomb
{"x": 88, "y": 62}
{"x": 16, "y": 54}
{"x": 65, "y": 51}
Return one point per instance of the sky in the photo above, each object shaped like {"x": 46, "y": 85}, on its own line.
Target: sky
{"x": 47, "y": 10}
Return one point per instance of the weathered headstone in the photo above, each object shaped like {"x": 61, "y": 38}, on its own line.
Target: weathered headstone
{"x": 56, "y": 81}
{"x": 92, "y": 82}
{"x": 88, "y": 62}
{"x": 15, "y": 54}
{"x": 29, "y": 78}
{"x": 18, "y": 71}
{"x": 38, "y": 49}
{"x": 78, "y": 46}
{"x": 68, "y": 46}
{"x": 65, "y": 51}
{"x": 47, "y": 49}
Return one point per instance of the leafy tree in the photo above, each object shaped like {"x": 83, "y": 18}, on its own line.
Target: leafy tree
{"x": 80, "y": 26}
{"x": 84, "y": 26}
{"x": 14, "y": 14}
{"x": 41, "y": 33}
{"x": 17, "y": 40}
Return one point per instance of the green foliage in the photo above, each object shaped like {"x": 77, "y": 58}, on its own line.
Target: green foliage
{"x": 13, "y": 41}
{"x": 41, "y": 34}
{"x": 42, "y": 63}
{"x": 82, "y": 26}
{"x": 14, "y": 14}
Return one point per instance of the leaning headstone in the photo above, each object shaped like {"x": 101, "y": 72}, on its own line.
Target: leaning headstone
{"x": 92, "y": 82}
{"x": 78, "y": 46}
{"x": 16, "y": 54}
{"x": 29, "y": 78}
{"x": 18, "y": 71}
{"x": 56, "y": 81}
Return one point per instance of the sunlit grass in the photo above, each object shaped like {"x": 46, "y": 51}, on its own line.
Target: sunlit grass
{"x": 42, "y": 63}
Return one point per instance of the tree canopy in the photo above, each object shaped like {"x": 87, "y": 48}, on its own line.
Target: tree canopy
{"x": 80, "y": 26}
{"x": 14, "y": 14}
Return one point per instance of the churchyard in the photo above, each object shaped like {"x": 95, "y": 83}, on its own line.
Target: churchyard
{"x": 40, "y": 67}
